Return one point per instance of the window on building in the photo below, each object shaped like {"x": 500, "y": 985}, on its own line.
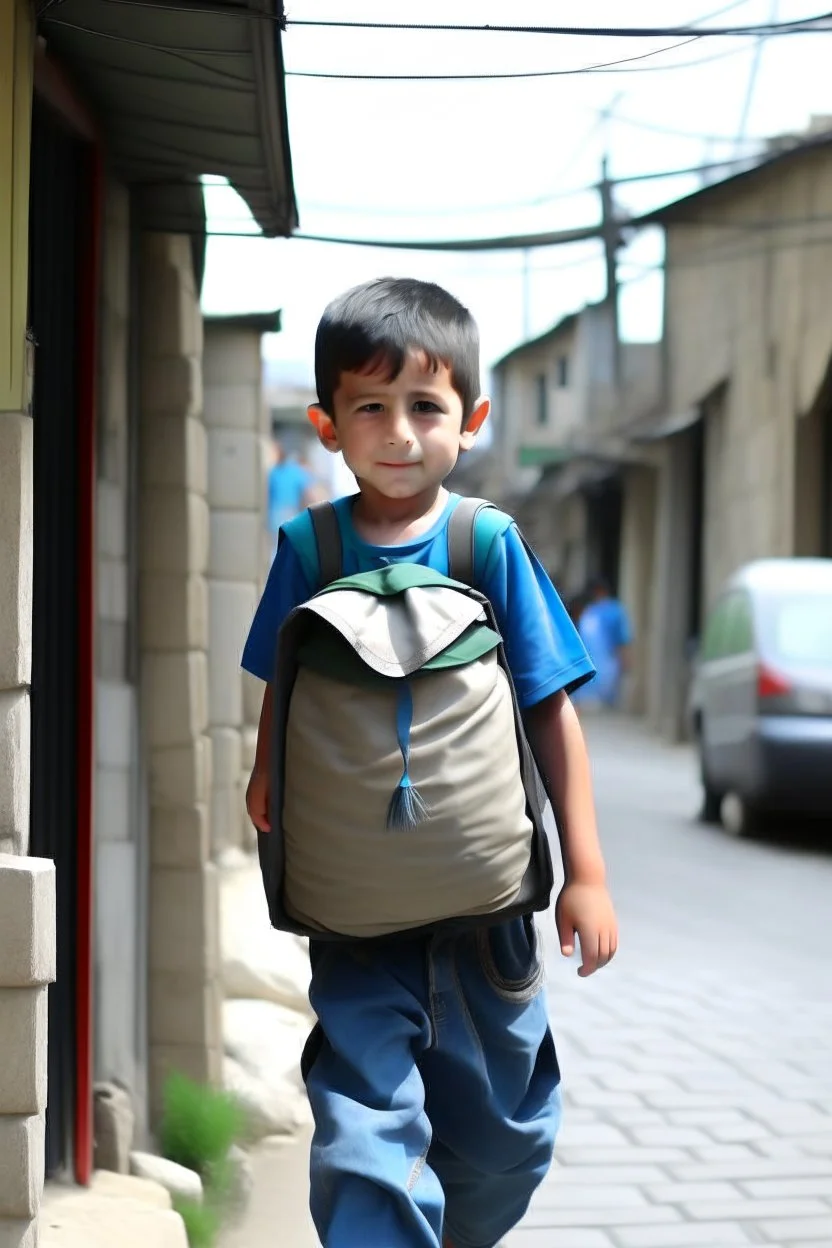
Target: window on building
{"x": 542, "y": 400}
{"x": 563, "y": 372}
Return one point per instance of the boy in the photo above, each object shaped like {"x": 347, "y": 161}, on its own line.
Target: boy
{"x": 432, "y": 1073}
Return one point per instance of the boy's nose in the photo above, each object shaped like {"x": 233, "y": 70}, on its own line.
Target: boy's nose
{"x": 400, "y": 429}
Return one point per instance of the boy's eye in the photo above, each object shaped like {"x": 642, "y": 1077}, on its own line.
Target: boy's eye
{"x": 425, "y": 405}
{"x": 372, "y": 408}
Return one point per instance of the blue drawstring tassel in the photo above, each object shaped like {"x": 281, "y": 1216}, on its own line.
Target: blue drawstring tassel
{"x": 406, "y": 809}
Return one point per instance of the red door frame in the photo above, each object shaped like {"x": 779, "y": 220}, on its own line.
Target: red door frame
{"x": 55, "y": 88}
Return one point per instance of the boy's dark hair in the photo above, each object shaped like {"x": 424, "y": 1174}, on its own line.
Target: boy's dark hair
{"x": 377, "y": 324}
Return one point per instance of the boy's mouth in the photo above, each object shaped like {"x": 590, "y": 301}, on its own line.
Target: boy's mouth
{"x": 413, "y": 463}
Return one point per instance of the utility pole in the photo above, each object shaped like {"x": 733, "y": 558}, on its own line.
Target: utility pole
{"x": 527, "y": 295}
{"x": 609, "y": 233}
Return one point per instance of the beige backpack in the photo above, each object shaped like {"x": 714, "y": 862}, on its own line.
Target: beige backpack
{"x": 404, "y": 795}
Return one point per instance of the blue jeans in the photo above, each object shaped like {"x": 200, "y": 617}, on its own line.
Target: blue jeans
{"x": 434, "y": 1085}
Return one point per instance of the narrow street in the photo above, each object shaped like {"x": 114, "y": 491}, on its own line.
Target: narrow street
{"x": 698, "y": 1067}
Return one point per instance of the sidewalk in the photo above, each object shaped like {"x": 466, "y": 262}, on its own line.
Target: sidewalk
{"x": 278, "y": 1214}
{"x": 115, "y": 1211}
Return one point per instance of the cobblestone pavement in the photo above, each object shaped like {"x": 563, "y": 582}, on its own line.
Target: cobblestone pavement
{"x": 698, "y": 1067}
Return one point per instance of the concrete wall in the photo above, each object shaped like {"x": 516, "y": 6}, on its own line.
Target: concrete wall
{"x": 120, "y": 836}
{"x": 237, "y": 425}
{"x": 27, "y": 885}
{"x": 636, "y": 576}
{"x": 517, "y": 402}
{"x": 748, "y": 343}
{"x": 751, "y": 307}
{"x": 184, "y": 993}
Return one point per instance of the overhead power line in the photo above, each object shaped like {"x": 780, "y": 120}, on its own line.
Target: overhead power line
{"x": 805, "y": 25}
{"x": 602, "y": 67}
{"x": 490, "y": 77}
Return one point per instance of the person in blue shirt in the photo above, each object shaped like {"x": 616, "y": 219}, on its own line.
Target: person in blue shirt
{"x": 432, "y": 1073}
{"x": 288, "y": 488}
{"x": 604, "y": 627}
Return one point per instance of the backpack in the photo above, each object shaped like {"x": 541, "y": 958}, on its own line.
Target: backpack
{"x": 404, "y": 796}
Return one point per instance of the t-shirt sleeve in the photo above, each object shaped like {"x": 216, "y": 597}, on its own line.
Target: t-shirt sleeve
{"x": 286, "y": 588}
{"x": 543, "y": 649}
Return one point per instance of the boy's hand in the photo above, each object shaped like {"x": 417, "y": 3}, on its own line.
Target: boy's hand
{"x": 257, "y": 800}
{"x": 586, "y": 910}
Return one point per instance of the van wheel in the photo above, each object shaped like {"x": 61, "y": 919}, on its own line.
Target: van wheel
{"x": 709, "y": 811}
{"x": 711, "y": 808}
{"x": 737, "y": 817}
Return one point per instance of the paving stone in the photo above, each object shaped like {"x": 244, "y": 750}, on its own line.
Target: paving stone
{"x": 631, "y": 1216}
{"x": 681, "y": 1193}
{"x": 777, "y": 1189}
{"x": 670, "y": 1136}
{"x": 754, "y": 1168}
{"x": 802, "y": 1231}
{"x": 625, "y": 1156}
{"x": 753, "y": 1210}
{"x": 541, "y": 1237}
{"x": 715, "y": 1235}
{"x": 591, "y": 1135}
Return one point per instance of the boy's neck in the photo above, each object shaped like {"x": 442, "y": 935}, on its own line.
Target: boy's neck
{"x": 384, "y": 521}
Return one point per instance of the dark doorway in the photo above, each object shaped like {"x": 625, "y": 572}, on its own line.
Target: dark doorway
{"x": 826, "y": 486}
{"x": 605, "y": 506}
{"x": 813, "y": 476}
{"x": 696, "y": 530}
{"x": 58, "y": 214}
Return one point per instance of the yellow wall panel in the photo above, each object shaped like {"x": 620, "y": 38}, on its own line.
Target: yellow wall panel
{"x": 16, "y": 70}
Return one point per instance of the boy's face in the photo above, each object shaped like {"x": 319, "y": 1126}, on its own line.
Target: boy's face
{"x": 402, "y": 437}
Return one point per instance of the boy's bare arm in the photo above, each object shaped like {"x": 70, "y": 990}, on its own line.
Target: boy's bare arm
{"x": 257, "y": 794}
{"x": 584, "y": 906}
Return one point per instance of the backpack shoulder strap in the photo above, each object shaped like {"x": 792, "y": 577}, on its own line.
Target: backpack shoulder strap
{"x": 473, "y": 525}
{"x": 327, "y": 532}
{"x": 315, "y": 537}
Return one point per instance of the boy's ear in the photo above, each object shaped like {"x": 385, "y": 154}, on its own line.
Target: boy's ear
{"x": 478, "y": 418}
{"x": 325, "y": 426}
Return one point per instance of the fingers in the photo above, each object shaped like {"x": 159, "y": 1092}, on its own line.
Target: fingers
{"x": 597, "y": 950}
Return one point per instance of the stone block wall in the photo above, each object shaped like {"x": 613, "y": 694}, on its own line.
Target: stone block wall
{"x": 235, "y": 420}
{"x": 27, "y": 885}
{"x": 27, "y": 939}
{"x": 183, "y": 957}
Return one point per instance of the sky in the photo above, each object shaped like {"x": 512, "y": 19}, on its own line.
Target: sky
{"x": 452, "y": 160}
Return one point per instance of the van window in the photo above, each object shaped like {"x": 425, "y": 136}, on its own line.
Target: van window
{"x": 799, "y": 630}
{"x": 714, "y": 641}
{"x": 740, "y": 638}
{"x": 730, "y": 627}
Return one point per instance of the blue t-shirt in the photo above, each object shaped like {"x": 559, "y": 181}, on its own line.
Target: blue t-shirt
{"x": 543, "y": 649}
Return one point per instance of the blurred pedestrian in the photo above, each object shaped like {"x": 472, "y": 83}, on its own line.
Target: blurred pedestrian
{"x": 605, "y": 630}
{"x": 291, "y": 487}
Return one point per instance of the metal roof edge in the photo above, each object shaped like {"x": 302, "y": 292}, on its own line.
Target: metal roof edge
{"x": 667, "y": 211}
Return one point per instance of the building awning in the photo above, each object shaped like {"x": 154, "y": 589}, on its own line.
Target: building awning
{"x": 543, "y": 456}
{"x": 667, "y": 426}
{"x": 184, "y": 90}
{"x": 251, "y": 322}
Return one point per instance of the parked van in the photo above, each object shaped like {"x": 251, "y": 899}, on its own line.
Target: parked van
{"x": 761, "y": 698}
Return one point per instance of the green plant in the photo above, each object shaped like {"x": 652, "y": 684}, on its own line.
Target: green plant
{"x": 199, "y": 1125}
{"x": 202, "y": 1223}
